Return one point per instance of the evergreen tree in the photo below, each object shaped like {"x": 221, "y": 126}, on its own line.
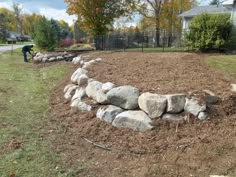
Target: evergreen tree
{"x": 215, "y": 2}
{"x": 45, "y": 35}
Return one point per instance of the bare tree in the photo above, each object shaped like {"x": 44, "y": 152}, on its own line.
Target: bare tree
{"x": 17, "y": 10}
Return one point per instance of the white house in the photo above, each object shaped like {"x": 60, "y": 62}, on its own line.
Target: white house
{"x": 227, "y": 7}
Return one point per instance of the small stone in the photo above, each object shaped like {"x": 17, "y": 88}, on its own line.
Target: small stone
{"x": 202, "y": 116}
{"x": 233, "y": 87}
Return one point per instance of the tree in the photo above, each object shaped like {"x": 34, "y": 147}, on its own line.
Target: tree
{"x": 9, "y": 19}
{"x": 44, "y": 35}
{"x": 3, "y": 31}
{"x": 215, "y": 2}
{"x": 96, "y": 16}
{"x": 17, "y": 10}
{"x": 207, "y": 32}
{"x": 163, "y": 14}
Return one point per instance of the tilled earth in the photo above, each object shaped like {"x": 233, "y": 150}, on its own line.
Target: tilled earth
{"x": 190, "y": 148}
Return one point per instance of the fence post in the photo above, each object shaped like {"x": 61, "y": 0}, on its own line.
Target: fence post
{"x": 142, "y": 40}
{"x": 163, "y": 41}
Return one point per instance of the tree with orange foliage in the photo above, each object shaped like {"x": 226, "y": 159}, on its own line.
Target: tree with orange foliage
{"x": 96, "y": 16}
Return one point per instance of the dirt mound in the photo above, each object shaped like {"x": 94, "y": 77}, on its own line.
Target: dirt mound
{"x": 187, "y": 148}
{"x": 229, "y": 105}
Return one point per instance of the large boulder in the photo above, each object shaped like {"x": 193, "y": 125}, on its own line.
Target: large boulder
{"x": 194, "y": 106}
{"x": 94, "y": 91}
{"x": 153, "y": 104}
{"x": 136, "y": 120}
{"x": 124, "y": 96}
{"x": 108, "y": 113}
{"x": 77, "y": 73}
{"x": 175, "y": 103}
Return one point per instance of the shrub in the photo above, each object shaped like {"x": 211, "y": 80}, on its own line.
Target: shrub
{"x": 208, "y": 32}
{"x": 44, "y": 35}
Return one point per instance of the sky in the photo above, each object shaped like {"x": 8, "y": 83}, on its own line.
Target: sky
{"x": 55, "y": 9}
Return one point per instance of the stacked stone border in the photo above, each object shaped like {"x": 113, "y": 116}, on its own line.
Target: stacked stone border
{"x": 125, "y": 107}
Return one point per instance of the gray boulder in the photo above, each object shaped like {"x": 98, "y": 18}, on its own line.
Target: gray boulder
{"x": 69, "y": 92}
{"x": 52, "y": 59}
{"x": 60, "y": 58}
{"x": 98, "y": 59}
{"x": 45, "y": 59}
{"x": 94, "y": 91}
{"x": 194, "y": 107}
{"x": 84, "y": 107}
{"x": 136, "y": 120}
{"x": 82, "y": 80}
{"x": 108, "y": 113}
{"x": 175, "y": 103}
{"x": 67, "y": 87}
{"x": 124, "y": 96}
{"x": 77, "y": 73}
{"x": 75, "y": 102}
{"x": 153, "y": 104}
{"x": 80, "y": 93}
{"x": 77, "y": 59}
{"x": 106, "y": 87}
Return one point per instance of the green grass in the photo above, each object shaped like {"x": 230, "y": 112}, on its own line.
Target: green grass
{"x": 24, "y": 104}
{"x": 224, "y": 63}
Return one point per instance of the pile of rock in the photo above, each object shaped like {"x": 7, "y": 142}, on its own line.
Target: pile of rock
{"x": 124, "y": 106}
{"x": 52, "y": 56}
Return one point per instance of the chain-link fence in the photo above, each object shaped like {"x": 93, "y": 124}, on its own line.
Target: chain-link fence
{"x": 141, "y": 41}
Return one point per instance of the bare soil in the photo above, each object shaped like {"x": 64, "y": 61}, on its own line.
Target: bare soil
{"x": 192, "y": 148}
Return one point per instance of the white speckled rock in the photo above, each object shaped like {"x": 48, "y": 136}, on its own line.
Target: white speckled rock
{"x": 108, "y": 113}
{"x": 153, "y": 104}
{"x": 125, "y": 97}
{"x": 175, "y": 103}
{"x": 136, "y": 120}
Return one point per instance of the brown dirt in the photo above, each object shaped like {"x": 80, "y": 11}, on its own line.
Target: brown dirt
{"x": 195, "y": 148}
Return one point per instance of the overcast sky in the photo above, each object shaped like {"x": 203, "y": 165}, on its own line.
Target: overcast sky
{"x": 55, "y": 9}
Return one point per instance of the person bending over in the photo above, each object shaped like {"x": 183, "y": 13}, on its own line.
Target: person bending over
{"x": 25, "y": 49}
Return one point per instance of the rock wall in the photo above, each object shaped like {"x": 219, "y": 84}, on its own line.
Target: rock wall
{"x": 125, "y": 107}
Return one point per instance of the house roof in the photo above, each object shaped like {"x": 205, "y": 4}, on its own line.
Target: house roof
{"x": 211, "y": 9}
{"x": 228, "y": 2}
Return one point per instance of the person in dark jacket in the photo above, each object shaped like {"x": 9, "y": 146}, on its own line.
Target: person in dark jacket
{"x": 25, "y": 49}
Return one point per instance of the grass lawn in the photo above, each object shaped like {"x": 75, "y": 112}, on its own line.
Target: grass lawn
{"x": 24, "y": 111}
{"x": 224, "y": 63}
